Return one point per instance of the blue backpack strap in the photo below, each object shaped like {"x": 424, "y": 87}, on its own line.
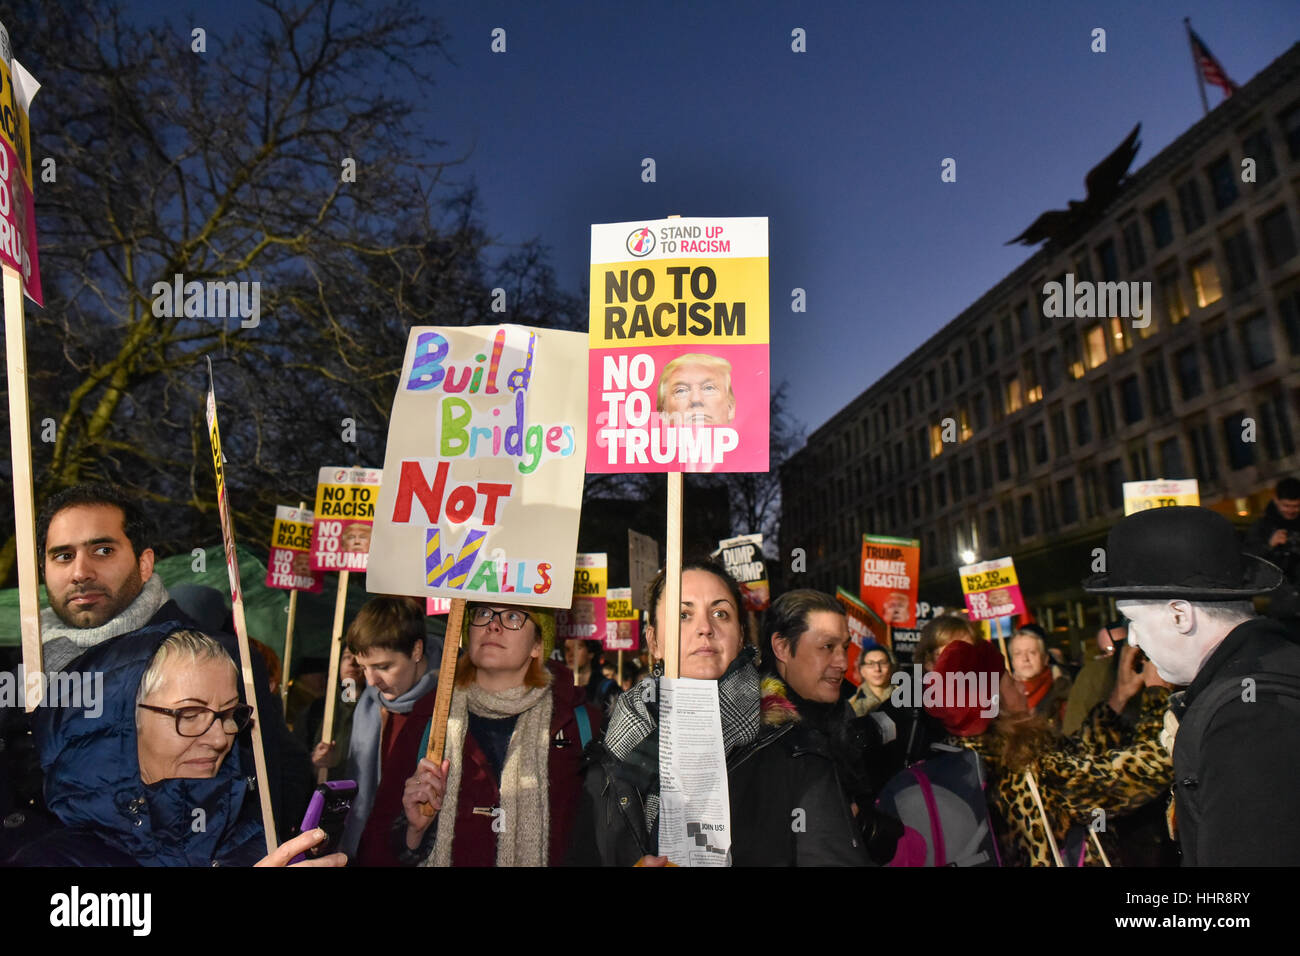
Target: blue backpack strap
{"x": 584, "y": 725}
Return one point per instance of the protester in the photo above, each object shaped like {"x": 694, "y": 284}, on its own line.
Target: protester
{"x": 507, "y": 791}
{"x": 619, "y": 819}
{"x": 389, "y": 638}
{"x": 128, "y": 780}
{"x": 875, "y": 668}
{"x": 1180, "y": 578}
{"x": 98, "y": 565}
{"x": 1276, "y": 537}
{"x": 1044, "y": 692}
{"x": 352, "y": 684}
{"x": 805, "y": 656}
{"x": 584, "y": 660}
{"x": 1096, "y": 678}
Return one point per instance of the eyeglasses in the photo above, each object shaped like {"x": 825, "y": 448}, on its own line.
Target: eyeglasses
{"x": 195, "y": 721}
{"x": 875, "y": 663}
{"x": 1120, "y": 624}
{"x": 511, "y": 619}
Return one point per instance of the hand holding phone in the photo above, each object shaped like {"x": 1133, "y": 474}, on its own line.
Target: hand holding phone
{"x": 327, "y": 810}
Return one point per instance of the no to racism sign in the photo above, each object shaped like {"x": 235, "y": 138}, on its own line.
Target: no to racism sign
{"x": 289, "y": 565}
{"x": 585, "y": 616}
{"x": 622, "y": 626}
{"x": 484, "y": 467}
{"x": 678, "y": 367}
{"x": 344, "y": 513}
{"x": 1161, "y": 493}
{"x": 17, "y": 205}
{"x": 991, "y": 589}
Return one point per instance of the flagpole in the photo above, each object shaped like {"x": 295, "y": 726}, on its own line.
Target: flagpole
{"x": 1196, "y": 65}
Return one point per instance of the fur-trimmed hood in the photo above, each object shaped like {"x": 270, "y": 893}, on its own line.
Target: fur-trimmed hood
{"x": 775, "y": 706}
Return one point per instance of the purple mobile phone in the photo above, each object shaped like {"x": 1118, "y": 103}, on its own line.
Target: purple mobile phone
{"x": 328, "y": 810}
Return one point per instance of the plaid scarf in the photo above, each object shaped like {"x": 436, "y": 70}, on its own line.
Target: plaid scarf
{"x": 633, "y": 731}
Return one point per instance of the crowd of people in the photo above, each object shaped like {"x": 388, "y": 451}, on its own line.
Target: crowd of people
{"x": 552, "y": 755}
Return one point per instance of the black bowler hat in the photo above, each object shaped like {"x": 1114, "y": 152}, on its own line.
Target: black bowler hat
{"x": 1189, "y": 553}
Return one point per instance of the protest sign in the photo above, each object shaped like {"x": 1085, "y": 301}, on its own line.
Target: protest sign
{"x": 864, "y": 625}
{"x": 743, "y": 557}
{"x": 904, "y": 640}
{"x": 642, "y": 563}
{"x": 887, "y": 585}
{"x": 1160, "y": 493}
{"x": 584, "y": 619}
{"x": 289, "y": 563}
{"x": 622, "y": 626}
{"x": 694, "y": 807}
{"x": 237, "y": 608}
{"x": 344, "y": 515}
{"x": 485, "y": 466}
{"x": 678, "y": 366}
{"x": 17, "y": 205}
{"x": 434, "y": 606}
{"x": 991, "y": 589}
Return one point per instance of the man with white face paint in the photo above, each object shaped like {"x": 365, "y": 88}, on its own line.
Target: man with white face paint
{"x": 1183, "y": 583}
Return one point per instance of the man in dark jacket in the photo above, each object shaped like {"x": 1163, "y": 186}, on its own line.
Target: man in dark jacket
{"x": 1276, "y": 537}
{"x": 100, "y": 581}
{"x": 1235, "y": 731}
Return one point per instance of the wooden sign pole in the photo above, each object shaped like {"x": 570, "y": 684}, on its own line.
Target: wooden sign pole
{"x": 446, "y": 686}
{"x": 1006, "y": 659}
{"x": 671, "y": 625}
{"x": 288, "y": 640}
{"x": 237, "y": 609}
{"x": 332, "y": 680}
{"x": 20, "y": 446}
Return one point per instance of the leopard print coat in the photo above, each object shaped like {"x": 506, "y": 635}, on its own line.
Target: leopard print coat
{"x": 1105, "y": 767}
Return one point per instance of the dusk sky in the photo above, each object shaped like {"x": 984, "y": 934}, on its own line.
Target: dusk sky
{"x": 839, "y": 146}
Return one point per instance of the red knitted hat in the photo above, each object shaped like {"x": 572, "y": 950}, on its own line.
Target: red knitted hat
{"x": 963, "y": 717}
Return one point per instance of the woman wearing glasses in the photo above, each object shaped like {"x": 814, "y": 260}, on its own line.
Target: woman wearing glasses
{"x": 507, "y": 792}
{"x": 148, "y": 771}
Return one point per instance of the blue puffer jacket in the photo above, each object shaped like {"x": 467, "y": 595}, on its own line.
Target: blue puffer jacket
{"x": 92, "y": 781}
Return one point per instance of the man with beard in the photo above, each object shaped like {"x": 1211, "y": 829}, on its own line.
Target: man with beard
{"x": 94, "y": 542}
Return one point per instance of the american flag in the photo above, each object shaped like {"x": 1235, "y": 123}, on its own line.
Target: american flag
{"x": 1210, "y": 67}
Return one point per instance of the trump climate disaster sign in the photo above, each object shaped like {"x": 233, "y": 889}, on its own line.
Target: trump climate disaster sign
{"x": 678, "y": 367}
{"x": 484, "y": 468}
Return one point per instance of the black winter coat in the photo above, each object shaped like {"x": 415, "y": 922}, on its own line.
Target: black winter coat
{"x": 1237, "y": 759}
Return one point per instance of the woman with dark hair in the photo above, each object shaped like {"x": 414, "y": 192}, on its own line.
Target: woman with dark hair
{"x": 768, "y": 779}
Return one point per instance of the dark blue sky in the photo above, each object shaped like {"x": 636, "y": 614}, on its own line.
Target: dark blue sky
{"x": 840, "y": 146}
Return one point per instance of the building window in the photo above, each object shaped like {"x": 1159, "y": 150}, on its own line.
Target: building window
{"x": 1162, "y": 229}
{"x": 1109, "y": 261}
{"x": 1049, "y": 509}
{"x": 968, "y": 475}
{"x": 1223, "y": 182}
{"x": 1114, "y": 478}
{"x": 1091, "y": 502}
{"x": 992, "y": 532}
{"x": 1131, "y": 399}
{"x": 959, "y": 367}
{"x": 947, "y": 380}
{"x": 1023, "y": 322}
{"x": 1014, "y": 398}
{"x": 1094, "y": 346}
{"x": 1275, "y": 428}
{"x": 1241, "y": 262}
{"x": 954, "y": 482}
{"x": 990, "y": 348}
{"x": 1008, "y": 345}
{"x": 1257, "y": 341}
{"x": 1069, "y": 501}
{"x": 1171, "y": 295}
{"x": 1218, "y": 350}
{"x": 1279, "y": 240}
{"x": 1241, "y": 454}
{"x": 1189, "y": 203}
{"x": 1009, "y": 520}
{"x": 1105, "y": 411}
{"x": 1038, "y": 435}
{"x": 994, "y": 385}
{"x": 930, "y": 385}
{"x": 1290, "y": 121}
{"x": 1134, "y": 252}
{"x": 1119, "y": 337}
{"x": 1060, "y": 435}
{"x": 1259, "y": 147}
{"x": 1053, "y": 371}
{"x": 980, "y": 408}
{"x": 1028, "y": 526}
{"x": 963, "y": 424}
{"x": 986, "y": 468}
{"x": 1004, "y": 461}
{"x": 1203, "y": 454}
{"x": 1139, "y": 463}
{"x": 1158, "y": 387}
{"x": 941, "y": 490}
{"x": 1029, "y": 368}
{"x": 936, "y": 440}
{"x": 1082, "y": 424}
{"x": 1020, "y": 449}
{"x": 916, "y": 503}
{"x": 1070, "y": 352}
{"x": 1189, "y": 373}
{"x": 1205, "y": 276}
{"x": 1171, "y": 458}
{"x": 1288, "y": 306}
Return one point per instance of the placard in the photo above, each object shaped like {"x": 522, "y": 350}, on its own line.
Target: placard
{"x": 991, "y": 589}
{"x": 888, "y": 576}
{"x": 585, "y": 618}
{"x": 343, "y": 518}
{"x": 622, "y": 624}
{"x": 289, "y": 565}
{"x": 743, "y": 558}
{"x": 1160, "y": 493}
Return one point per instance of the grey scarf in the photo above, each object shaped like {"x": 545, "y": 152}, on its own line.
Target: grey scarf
{"x": 364, "y": 758}
{"x": 63, "y": 643}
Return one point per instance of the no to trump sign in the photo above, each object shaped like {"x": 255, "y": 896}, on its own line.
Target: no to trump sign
{"x": 991, "y": 589}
